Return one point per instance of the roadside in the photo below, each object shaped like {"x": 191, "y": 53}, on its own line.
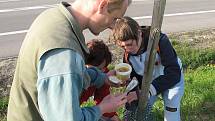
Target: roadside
{"x": 7, "y": 67}
{"x": 198, "y": 40}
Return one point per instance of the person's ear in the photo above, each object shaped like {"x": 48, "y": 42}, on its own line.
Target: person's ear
{"x": 140, "y": 33}
{"x": 103, "y": 6}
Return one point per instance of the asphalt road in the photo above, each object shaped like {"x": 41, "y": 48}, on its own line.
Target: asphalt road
{"x": 16, "y": 17}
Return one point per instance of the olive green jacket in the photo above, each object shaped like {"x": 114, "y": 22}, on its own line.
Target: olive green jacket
{"x": 54, "y": 28}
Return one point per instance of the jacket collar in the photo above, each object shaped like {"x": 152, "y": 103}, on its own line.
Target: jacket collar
{"x": 74, "y": 25}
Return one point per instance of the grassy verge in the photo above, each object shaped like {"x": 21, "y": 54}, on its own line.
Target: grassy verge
{"x": 194, "y": 57}
{"x": 198, "y": 103}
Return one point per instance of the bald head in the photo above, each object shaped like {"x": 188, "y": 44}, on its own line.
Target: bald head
{"x": 116, "y": 4}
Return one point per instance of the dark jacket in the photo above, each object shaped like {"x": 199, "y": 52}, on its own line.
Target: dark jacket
{"x": 169, "y": 60}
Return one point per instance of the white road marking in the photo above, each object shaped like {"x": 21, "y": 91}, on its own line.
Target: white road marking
{"x": 13, "y": 32}
{"x": 6, "y": 1}
{"x": 136, "y": 18}
{"x": 27, "y": 8}
{"x": 176, "y": 14}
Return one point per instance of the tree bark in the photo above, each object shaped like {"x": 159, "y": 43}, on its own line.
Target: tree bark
{"x": 157, "y": 18}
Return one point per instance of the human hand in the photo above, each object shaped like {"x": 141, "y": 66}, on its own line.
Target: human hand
{"x": 111, "y": 67}
{"x": 115, "y": 82}
{"x": 111, "y": 102}
{"x": 111, "y": 73}
{"x": 115, "y": 118}
{"x": 112, "y": 80}
{"x": 132, "y": 96}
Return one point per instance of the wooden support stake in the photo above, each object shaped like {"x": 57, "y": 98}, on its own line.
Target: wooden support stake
{"x": 157, "y": 18}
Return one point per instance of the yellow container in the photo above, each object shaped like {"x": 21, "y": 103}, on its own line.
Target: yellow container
{"x": 123, "y": 71}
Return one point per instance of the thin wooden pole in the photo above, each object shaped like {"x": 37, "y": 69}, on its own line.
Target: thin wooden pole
{"x": 157, "y": 18}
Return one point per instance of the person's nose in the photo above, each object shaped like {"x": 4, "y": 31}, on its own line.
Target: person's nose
{"x": 127, "y": 49}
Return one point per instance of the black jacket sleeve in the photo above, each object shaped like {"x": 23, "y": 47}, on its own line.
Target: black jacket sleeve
{"x": 172, "y": 72}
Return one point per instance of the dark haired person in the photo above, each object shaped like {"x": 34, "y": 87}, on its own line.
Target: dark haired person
{"x": 99, "y": 57}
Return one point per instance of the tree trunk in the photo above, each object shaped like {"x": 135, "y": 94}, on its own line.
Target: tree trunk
{"x": 157, "y": 18}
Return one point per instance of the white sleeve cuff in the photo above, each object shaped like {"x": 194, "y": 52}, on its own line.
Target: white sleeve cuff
{"x": 152, "y": 90}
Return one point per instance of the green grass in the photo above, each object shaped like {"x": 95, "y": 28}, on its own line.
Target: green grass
{"x": 198, "y": 103}
{"x": 3, "y": 108}
{"x": 193, "y": 57}
{"x": 199, "y": 98}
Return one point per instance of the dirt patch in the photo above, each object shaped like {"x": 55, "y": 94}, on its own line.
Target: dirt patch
{"x": 207, "y": 108}
{"x": 7, "y": 67}
{"x": 200, "y": 39}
